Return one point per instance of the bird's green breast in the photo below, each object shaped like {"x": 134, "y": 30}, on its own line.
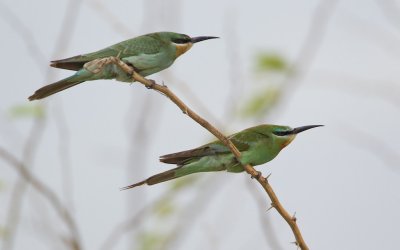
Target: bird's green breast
{"x": 148, "y": 64}
{"x": 149, "y": 54}
{"x": 263, "y": 145}
{"x": 260, "y": 152}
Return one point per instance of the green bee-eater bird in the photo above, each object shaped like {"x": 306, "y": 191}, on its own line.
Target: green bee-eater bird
{"x": 147, "y": 54}
{"x": 257, "y": 146}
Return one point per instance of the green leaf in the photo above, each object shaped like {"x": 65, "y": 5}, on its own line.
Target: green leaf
{"x": 271, "y": 62}
{"x": 164, "y": 208}
{"x": 183, "y": 182}
{"x": 27, "y": 111}
{"x": 261, "y": 102}
{"x": 2, "y": 185}
{"x": 3, "y": 232}
{"x": 150, "y": 240}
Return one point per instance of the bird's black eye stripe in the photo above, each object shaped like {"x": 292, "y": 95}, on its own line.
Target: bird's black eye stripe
{"x": 181, "y": 40}
{"x": 282, "y": 133}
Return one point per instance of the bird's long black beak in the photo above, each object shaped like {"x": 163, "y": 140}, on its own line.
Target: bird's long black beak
{"x": 201, "y": 38}
{"x": 304, "y": 128}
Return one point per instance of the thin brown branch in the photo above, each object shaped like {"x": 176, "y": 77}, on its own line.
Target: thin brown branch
{"x": 35, "y": 134}
{"x": 64, "y": 154}
{"x": 39, "y": 124}
{"x": 316, "y": 33}
{"x": 235, "y": 66}
{"x": 385, "y": 90}
{"x": 25, "y": 34}
{"x": 110, "y": 18}
{"x": 270, "y": 235}
{"x": 135, "y": 220}
{"x": 20, "y": 186}
{"x": 391, "y": 11}
{"x": 373, "y": 144}
{"x": 46, "y": 192}
{"x": 141, "y": 138}
{"x": 202, "y": 199}
{"x": 308, "y": 51}
{"x": 375, "y": 34}
{"x": 124, "y": 30}
{"x": 126, "y": 226}
{"x": 150, "y": 84}
{"x": 189, "y": 94}
{"x": 64, "y": 37}
{"x": 275, "y": 203}
{"x": 179, "y": 231}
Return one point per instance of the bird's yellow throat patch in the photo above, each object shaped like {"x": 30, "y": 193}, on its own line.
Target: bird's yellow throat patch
{"x": 182, "y": 48}
{"x": 291, "y": 138}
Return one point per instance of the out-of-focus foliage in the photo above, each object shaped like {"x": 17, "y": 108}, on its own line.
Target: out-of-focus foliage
{"x": 27, "y": 111}
{"x": 262, "y": 102}
{"x": 3, "y": 232}
{"x": 150, "y": 240}
{"x": 272, "y": 68}
{"x": 163, "y": 211}
{"x": 270, "y": 62}
{"x": 164, "y": 208}
{"x": 182, "y": 183}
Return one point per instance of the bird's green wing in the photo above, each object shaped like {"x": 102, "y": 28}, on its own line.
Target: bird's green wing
{"x": 146, "y": 44}
{"x": 213, "y": 148}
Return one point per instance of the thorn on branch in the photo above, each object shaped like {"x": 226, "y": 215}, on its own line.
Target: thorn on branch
{"x": 271, "y": 207}
{"x": 296, "y": 244}
{"x": 256, "y": 176}
{"x": 294, "y": 217}
{"x": 266, "y": 178}
{"x": 151, "y": 86}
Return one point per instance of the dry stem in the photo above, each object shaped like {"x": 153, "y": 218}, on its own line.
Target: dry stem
{"x": 291, "y": 220}
{"x": 65, "y": 215}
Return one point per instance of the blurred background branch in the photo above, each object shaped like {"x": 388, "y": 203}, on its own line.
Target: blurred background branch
{"x": 39, "y": 121}
{"x": 343, "y": 71}
{"x": 64, "y": 214}
{"x": 263, "y": 181}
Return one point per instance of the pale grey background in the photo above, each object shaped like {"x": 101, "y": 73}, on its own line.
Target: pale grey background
{"x": 342, "y": 180}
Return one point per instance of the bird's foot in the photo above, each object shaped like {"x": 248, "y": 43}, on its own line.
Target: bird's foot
{"x": 132, "y": 67}
{"x": 97, "y": 65}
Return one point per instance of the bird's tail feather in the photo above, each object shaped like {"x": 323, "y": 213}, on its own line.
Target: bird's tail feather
{"x": 158, "y": 178}
{"x": 54, "y": 88}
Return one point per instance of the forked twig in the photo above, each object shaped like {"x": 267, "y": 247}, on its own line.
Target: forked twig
{"x": 163, "y": 89}
{"x": 62, "y": 211}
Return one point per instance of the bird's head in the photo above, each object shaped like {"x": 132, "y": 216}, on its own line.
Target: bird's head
{"x": 284, "y": 135}
{"x": 183, "y": 42}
